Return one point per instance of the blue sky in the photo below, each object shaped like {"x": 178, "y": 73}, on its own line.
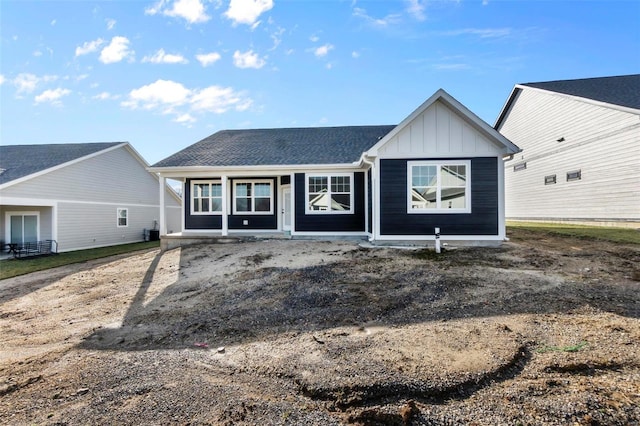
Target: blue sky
{"x": 165, "y": 74}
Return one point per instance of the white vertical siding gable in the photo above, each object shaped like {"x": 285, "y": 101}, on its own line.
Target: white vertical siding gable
{"x": 438, "y": 131}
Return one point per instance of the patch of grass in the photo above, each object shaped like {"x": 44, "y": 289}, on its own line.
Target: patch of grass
{"x": 14, "y": 267}
{"x": 571, "y": 348}
{"x": 604, "y": 233}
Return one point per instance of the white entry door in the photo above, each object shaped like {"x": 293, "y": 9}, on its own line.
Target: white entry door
{"x": 286, "y": 208}
{"x": 23, "y": 227}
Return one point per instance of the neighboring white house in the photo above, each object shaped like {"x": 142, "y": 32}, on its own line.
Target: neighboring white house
{"x": 580, "y": 158}
{"x": 80, "y": 195}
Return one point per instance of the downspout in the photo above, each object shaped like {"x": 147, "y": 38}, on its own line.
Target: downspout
{"x": 373, "y": 180}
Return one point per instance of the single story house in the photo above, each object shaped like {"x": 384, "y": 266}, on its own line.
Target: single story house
{"x": 580, "y": 159}
{"x": 81, "y": 195}
{"x": 441, "y": 167}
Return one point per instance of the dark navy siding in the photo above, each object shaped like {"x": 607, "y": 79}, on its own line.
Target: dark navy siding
{"x": 255, "y": 221}
{"x": 330, "y": 222}
{"x": 198, "y": 221}
{"x": 483, "y": 219}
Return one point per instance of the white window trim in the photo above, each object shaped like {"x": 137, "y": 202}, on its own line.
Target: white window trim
{"x": 118, "y": 210}
{"x": 7, "y": 222}
{"x": 439, "y": 210}
{"x": 328, "y": 176}
{"x": 191, "y": 193}
{"x": 253, "y": 198}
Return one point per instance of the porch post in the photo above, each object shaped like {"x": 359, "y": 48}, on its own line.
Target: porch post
{"x": 225, "y": 225}
{"x": 163, "y": 220}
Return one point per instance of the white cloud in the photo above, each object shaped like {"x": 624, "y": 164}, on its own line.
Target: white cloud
{"x": 170, "y": 97}
{"x": 104, "y": 96}
{"x": 322, "y": 50}
{"x": 218, "y": 100}
{"x": 481, "y": 32}
{"x": 247, "y": 11}
{"x": 193, "y": 11}
{"x": 52, "y": 96}
{"x": 88, "y": 47}
{"x": 116, "y": 51}
{"x": 207, "y": 59}
{"x": 276, "y": 36}
{"x": 185, "y": 118}
{"x": 163, "y": 92}
{"x": 355, "y": 55}
{"x": 53, "y": 22}
{"x": 247, "y": 60}
{"x": 25, "y": 82}
{"x": 37, "y": 53}
{"x": 160, "y": 57}
{"x": 416, "y": 9}
{"x": 314, "y": 38}
{"x": 110, "y": 23}
{"x": 451, "y": 67}
{"x": 2, "y": 79}
{"x": 388, "y": 20}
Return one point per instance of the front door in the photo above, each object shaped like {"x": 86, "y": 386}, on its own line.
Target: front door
{"x": 286, "y": 208}
{"x": 23, "y": 227}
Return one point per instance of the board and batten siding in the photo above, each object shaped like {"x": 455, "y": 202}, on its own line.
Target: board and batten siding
{"x": 602, "y": 143}
{"x": 438, "y": 132}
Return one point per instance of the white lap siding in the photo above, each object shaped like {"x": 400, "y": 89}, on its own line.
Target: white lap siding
{"x": 602, "y": 143}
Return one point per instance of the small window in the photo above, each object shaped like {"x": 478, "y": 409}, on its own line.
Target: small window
{"x": 330, "y": 193}
{"x": 253, "y": 197}
{"x": 206, "y": 197}
{"x": 439, "y": 187}
{"x": 520, "y": 166}
{"x": 574, "y": 175}
{"x": 123, "y": 218}
{"x": 550, "y": 180}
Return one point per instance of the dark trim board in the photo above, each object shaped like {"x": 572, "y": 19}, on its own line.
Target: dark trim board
{"x": 329, "y": 222}
{"x": 483, "y": 219}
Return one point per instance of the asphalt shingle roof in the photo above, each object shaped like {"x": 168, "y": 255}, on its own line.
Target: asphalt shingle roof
{"x": 621, "y": 90}
{"x": 17, "y": 161}
{"x": 313, "y": 145}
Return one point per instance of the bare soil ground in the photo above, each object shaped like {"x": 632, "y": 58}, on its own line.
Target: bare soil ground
{"x": 544, "y": 330}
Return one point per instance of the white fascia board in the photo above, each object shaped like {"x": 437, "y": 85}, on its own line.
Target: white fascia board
{"x": 442, "y": 237}
{"x": 266, "y": 170}
{"x": 60, "y": 166}
{"x": 32, "y": 202}
{"x": 441, "y": 95}
{"x": 585, "y": 100}
{"x": 507, "y": 106}
{"x": 331, "y": 234}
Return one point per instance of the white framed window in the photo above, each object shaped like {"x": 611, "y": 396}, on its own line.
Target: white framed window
{"x": 122, "y": 217}
{"x": 439, "y": 186}
{"x": 253, "y": 197}
{"x": 206, "y": 197}
{"x": 330, "y": 193}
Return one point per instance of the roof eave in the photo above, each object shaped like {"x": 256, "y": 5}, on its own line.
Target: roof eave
{"x": 181, "y": 171}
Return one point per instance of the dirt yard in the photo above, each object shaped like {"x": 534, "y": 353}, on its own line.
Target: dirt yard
{"x": 544, "y": 330}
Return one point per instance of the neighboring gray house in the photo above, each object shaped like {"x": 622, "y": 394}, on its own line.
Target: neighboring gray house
{"x": 440, "y": 168}
{"x": 580, "y": 158}
{"x": 81, "y": 195}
